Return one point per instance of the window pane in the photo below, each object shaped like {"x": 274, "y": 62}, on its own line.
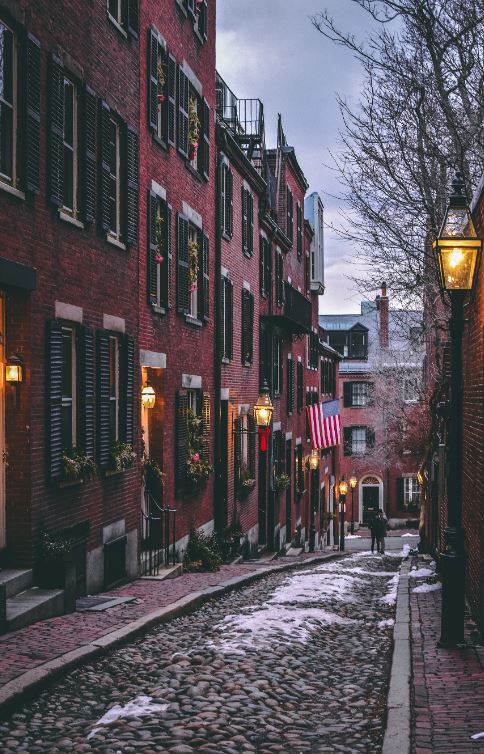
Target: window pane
{"x": 112, "y": 368}
{"x": 68, "y": 112}
{"x": 68, "y": 190}
{"x": 359, "y": 440}
{"x": 113, "y": 8}
{"x": 66, "y": 364}
{"x": 66, "y": 429}
{"x": 6, "y": 139}
{"x": 6, "y": 64}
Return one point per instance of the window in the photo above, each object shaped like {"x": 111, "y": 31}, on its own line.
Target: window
{"x": 410, "y": 389}
{"x": 247, "y": 222}
{"x": 192, "y": 435}
{"x": 300, "y": 386}
{"x": 290, "y": 214}
{"x": 116, "y": 11}
{"x": 299, "y": 230}
{"x": 290, "y": 385}
{"x": 279, "y": 278}
{"x": 357, "y": 394}
{"x": 193, "y": 293}
{"x": 277, "y": 365}
{"x": 411, "y": 491}
{"x": 226, "y": 201}
{"x": 159, "y": 252}
{"x": 125, "y": 15}
{"x": 114, "y": 179}
{"x": 113, "y": 389}
{"x": 69, "y": 387}
{"x": 358, "y": 344}
{"x": 226, "y": 324}
{"x": 8, "y": 105}
{"x": 247, "y": 344}
{"x": 328, "y": 377}
{"x": 70, "y": 141}
{"x": 338, "y": 340}
{"x": 313, "y": 350}
{"x": 264, "y": 267}
{"x": 201, "y": 19}
{"x": 193, "y": 267}
{"x": 358, "y": 440}
{"x": 298, "y": 470}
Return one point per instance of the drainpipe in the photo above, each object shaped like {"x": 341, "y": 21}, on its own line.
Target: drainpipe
{"x": 217, "y": 381}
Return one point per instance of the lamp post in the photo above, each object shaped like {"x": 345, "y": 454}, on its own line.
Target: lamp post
{"x": 343, "y": 490}
{"x": 457, "y": 249}
{"x": 353, "y": 483}
{"x": 313, "y": 463}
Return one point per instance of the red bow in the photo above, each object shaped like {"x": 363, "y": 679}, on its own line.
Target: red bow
{"x": 264, "y": 434}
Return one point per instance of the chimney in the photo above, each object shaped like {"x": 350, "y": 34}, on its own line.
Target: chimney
{"x": 383, "y": 309}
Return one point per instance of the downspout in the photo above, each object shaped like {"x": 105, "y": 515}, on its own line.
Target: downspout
{"x": 217, "y": 381}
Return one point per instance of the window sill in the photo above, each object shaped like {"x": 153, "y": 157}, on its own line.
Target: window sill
{"x": 247, "y": 363}
{"x": 115, "y": 242}
{"x": 194, "y": 172}
{"x": 113, "y": 472}
{"x": 193, "y": 321}
{"x": 226, "y": 235}
{"x": 158, "y": 140}
{"x": 67, "y": 218}
{"x": 117, "y": 25}
{"x": 11, "y": 190}
{"x": 158, "y": 309}
{"x": 225, "y": 360}
{"x": 70, "y": 483}
{"x": 198, "y": 36}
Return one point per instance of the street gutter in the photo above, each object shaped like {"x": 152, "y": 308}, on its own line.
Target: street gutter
{"x": 18, "y": 689}
{"x": 398, "y": 735}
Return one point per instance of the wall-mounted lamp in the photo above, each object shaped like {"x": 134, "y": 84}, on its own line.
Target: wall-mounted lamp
{"x": 14, "y": 370}
{"x": 148, "y": 395}
{"x": 313, "y": 460}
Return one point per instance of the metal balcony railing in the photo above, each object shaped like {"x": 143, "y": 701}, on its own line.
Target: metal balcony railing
{"x": 245, "y": 118}
{"x": 297, "y": 309}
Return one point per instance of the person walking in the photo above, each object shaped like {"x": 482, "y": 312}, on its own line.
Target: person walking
{"x": 381, "y": 526}
{"x": 373, "y": 528}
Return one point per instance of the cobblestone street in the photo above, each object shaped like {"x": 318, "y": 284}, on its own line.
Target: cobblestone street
{"x": 298, "y": 662}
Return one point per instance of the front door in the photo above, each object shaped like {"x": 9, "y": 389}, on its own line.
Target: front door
{"x": 371, "y": 502}
{"x": 3, "y": 532}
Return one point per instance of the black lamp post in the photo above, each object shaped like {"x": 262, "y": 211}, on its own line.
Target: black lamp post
{"x": 353, "y": 483}
{"x": 458, "y": 250}
{"x": 343, "y": 490}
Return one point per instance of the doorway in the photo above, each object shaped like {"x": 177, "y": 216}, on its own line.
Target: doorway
{"x": 370, "y": 497}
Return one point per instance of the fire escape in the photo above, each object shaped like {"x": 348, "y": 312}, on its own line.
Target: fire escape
{"x": 245, "y": 118}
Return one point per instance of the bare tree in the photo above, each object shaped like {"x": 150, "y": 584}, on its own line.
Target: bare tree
{"x": 419, "y": 118}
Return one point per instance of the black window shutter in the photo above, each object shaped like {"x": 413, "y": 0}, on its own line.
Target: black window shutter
{"x": 54, "y": 400}
{"x": 370, "y": 437}
{"x": 165, "y": 268}
{"x": 251, "y": 328}
{"x": 300, "y": 470}
{"x": 289, "y": 202}
{"x": 347, "y": 394}
{"x": 275, "y": 365}
{"x": 400, "y": 494}
{"x": 237, "y": 453}
{"x": 128, "y": 389}
{"x": 251, "y": 445}
{"x": 206, "y": 427}
{"x": 245, "y": 229}
{"x": 32, "y": 112}
{"x": 89, "y": 146}
{"x": 229, "y": 209}
{"x": 152, "y": 99}
{"x": 206, "y": 140}
{"x": 87, "y": 380}
{"x": 221, "y": 338}
{"x": 290, "y": 386}
{"x": 56, "y": 131}
{"x": 204, "y": 20}
{"x": 182, "y": 294}
{"x": 205, "y": 266}
{"x": 262, "y": 266}
{"x": 170, "y": 110}
{"x": 347, "y": 441}
{"x": 104, "y": 206}
{"x": 223, "y": 181}
{"x": 182, "y": 112}
{"x": 229, "y": 322}
{"x": 300, "y": 386}
{"x": 133, "y": 18}
{"x": 181, "y": 439}
{"x": 103, "y": 402}
{"x": 132, "y": 173}
{"x": 152, "y": 276}
{"x": 280, "y": 365}
{"x": 299, "y": 230}
{"x": 250, "y": 224}
{"x": 245, "y": 326}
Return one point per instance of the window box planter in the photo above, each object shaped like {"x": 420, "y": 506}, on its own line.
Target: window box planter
{"x": 246, "y": 488}
{"x": 70, "y": 483}
{"x": 113, "y": 472}
{"x": 281, "y": 483}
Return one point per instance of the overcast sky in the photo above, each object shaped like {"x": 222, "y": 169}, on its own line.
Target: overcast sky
{"x": 268, "y": 49}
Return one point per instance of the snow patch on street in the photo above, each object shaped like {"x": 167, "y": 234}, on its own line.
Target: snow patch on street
{"x": 388, "y": 623}
{"x": 427, "y": 588}
{"x": 352, "y": 536}
{"x": 140, "y": 706}
{"x": 420, "y": 573}
{"x": 407, "y": 534}
{"x": 315, "y": 587}
{"x": 364, "y": 572}
{"x": 476, "y": 736}
{"x": 390, "y": 597}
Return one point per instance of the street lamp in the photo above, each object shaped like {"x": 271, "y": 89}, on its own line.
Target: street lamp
{"x": 263, "y": 414}
{"x": 148, "y": 395}
{"x": 343, "y": 490}
{"x": 313, "y": 460}
{"x": 353, "y": 483}
{"x": 313, "y": 463}
{"x": 458, "y": 250}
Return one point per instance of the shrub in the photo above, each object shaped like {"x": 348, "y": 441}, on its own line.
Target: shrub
{"x": 203, "y": 552}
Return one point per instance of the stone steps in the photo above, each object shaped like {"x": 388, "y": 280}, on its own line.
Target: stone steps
{"x": 15, "y": 580}
{"x": 32, "y": 605}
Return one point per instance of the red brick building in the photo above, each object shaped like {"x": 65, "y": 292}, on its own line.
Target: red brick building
{"x": 176, "y": 295}
{"x": 69, "y": 214}
{"x": 380, "y": 387}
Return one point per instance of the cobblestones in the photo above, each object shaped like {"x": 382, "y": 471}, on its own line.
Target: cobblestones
{"x": 294, "y": 663}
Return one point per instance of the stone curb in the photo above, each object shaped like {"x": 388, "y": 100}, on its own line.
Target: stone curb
{"x": 397, "y": 734}
{"x": 16, "y": 690}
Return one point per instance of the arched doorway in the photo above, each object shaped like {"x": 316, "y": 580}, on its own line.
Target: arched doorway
{"x": 370, "y": 497}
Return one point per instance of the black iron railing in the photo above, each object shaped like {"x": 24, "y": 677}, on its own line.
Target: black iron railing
{"x": 158, "y": 536}
{"x": 297, "y": 309}
{"x": 245, "y": 118}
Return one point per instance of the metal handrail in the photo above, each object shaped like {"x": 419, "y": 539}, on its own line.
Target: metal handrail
{"x": 158, "y": 535}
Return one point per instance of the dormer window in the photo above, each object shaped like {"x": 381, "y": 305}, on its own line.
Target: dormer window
{"x": 358, "y": 344}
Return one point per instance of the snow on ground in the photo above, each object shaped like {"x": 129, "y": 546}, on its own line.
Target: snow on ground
{"x": 407, "y": 534}
{"x": 314, "y": 587}
{"x": 140, "y": 706}
{"x": 352, "y": 536}
{"x": 391, "y": 596}
{"x": 476, "y": 736}
{"x": 402, "y": 554}
{"x": 427, "y": 588}
{"x": 363, "y": 572}
{"x": 421, "y": 573}
{"x": 388, "y": 623}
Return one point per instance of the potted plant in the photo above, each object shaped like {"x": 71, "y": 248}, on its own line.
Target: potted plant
{"x": 161, "y": 82}
{"x": 159, "y": 240}
{"x": 246, "y": 482}
{"x": 77, "y": 466}
{"x": 55, "y": 554}
{"x": 192, "y": 265}
{"x": 151, "y": 471}
{"x": 281, "y": 483}
{"x": 193, "y": 129}
{"x": 122, "y": 456}
{"x": 198, "y": 469}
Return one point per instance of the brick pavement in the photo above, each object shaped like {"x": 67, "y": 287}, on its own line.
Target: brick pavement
{"x": 448, "y": 685}
{"x": 34, "y": 645}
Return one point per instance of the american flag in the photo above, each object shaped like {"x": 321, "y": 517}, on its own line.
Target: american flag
{"x": 324, "y": 424}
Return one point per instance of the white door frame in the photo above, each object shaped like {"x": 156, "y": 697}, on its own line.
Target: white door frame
{"x": 360, "y": 493}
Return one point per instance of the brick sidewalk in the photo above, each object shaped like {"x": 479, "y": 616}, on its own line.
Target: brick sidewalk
{"x": 30, "y": 647}
{"x": 448, "y": 685}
